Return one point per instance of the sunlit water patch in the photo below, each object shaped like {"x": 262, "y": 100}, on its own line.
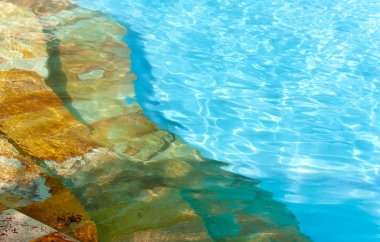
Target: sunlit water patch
{"x": 285, "y": 91}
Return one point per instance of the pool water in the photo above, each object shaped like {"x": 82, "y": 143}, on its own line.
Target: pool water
{"x": 285, "y": 91}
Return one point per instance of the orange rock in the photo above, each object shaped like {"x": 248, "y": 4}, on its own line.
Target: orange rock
{"x": 35, "y": 122}
{"x": 63, "y": 212}
{"x": 54, "y": 237}
{"x": 128, "y": 200}
{"x": 2, "y": 208}
{"x": 34, "y": 118}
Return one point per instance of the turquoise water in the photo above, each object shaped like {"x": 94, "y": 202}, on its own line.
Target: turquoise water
{"x": 286, "y": 91}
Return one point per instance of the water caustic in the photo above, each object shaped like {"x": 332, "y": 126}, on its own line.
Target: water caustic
{"x": 105, "y": 171}
{"x": 285, "y": 91}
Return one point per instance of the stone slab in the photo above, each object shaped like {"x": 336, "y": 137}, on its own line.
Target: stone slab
{"x": 17, "y": 227}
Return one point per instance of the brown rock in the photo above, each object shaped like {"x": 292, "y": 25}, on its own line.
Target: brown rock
{"x": 132, "y": 135}
{"x": 54, "y": 237}
{"x": 34, "y": 124}
{"x": 2, "y": 208}
{"x": 20, "y": 180}
{"x": 63, "y": 212}
{"x": 34, "y": 118}
{"x": 150, "y": 190}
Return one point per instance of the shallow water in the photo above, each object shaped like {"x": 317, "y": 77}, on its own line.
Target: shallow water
{"x": 140, "y": 183}
{"x": 285, "y": 91}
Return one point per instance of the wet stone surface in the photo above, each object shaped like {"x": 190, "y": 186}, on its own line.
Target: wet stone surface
{"x": 109, "y": 172}
{"x": 15, "y": 226}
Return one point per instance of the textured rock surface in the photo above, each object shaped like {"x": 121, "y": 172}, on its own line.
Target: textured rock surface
{"x": 43, "y": 7}
{"x": 16, "y": 226}
{"x": 20, "y": 184}
{"x": 20, "y": 179}
{"x": 63, "y": 212}
{"x": 137, "y": 182}
{"x": 33, "y": 117}
{"x": 35, "y": 126}
{"x": 55, "y": 237}
{"x": 158, "y": 189}
{"x": 22, "y": 42}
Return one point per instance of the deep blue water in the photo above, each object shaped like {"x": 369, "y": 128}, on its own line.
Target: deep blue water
{"x": 286, "y": 91}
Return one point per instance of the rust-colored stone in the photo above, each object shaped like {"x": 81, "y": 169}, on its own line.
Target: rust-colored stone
{"x": 2, "y": 208}
{"x": 63, "y": 212}
{"x": 33, "y": 117}
{"x": 35, "y": 125}
{"x": 54, "y": 237}
{"x": 156, "y": 188}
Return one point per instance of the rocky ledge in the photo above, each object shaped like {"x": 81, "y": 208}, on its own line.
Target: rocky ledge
{"x": 77, "y": 157}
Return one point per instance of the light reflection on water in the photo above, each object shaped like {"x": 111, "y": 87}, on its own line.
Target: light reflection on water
{"x": 285, "y": 91}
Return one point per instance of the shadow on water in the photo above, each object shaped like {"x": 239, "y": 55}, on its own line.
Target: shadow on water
{"x": 57, "y": 79}
{"x": 145, "y": 79}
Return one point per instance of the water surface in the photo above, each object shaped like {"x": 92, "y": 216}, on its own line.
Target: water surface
{"x": 286, "y": 91}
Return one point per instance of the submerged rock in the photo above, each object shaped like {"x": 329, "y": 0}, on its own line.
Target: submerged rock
{"x": 158, "y": 188}
{"x": 33, "y": 117}
{"x": 135, "y": 181}
{"x": 63, "y": 212}
{"x": 21, "y": 182}
{"x": 91, "y": 75}
{"x": 43, "y": 7}
{"x": 35, "y": 126}
{"x": 22, "y": 43}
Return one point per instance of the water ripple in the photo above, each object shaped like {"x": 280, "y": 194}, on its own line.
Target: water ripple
{"x": 285, "y": 90}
